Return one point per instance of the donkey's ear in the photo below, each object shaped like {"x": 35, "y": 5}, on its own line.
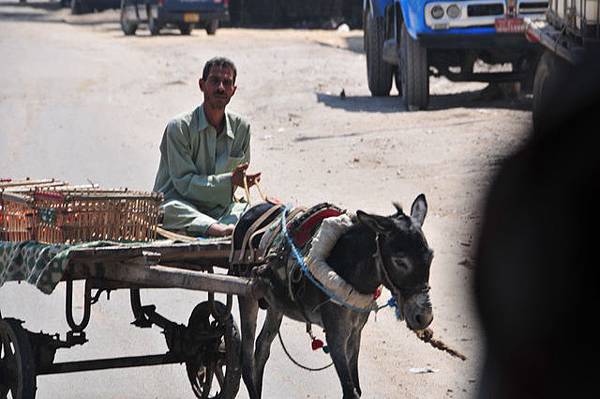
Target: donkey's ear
{"x": 418, "y": 209}
{"x": 379, "y": 224}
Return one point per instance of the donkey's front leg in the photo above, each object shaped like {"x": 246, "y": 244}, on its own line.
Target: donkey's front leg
{"x": 337, "y": 323}
{"x": 267, "y": 334}
{"x": 353, "y": 351}
{"x": 248, "y": 317}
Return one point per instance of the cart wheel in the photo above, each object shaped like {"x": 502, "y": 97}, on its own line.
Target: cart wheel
{"x": 218, "y": 357}
{"x": 212, "y": 26}
{"x": 17, "y": 366}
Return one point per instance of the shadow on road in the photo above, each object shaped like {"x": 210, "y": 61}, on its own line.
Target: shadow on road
{"x": 352, "y": 43}
{"x": 362, "y": 103}
{"x": 484, "y": 98}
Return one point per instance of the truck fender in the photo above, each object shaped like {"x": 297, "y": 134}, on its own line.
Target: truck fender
{"x": 409, "y": 15}
{"x": 376, "y": 7}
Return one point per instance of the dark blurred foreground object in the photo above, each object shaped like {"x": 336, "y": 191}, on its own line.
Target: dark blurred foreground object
{"x": 536, "y": 284}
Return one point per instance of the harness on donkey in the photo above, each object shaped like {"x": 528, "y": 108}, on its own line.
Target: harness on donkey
{"x": 292, "y": 246}
{"x": 268, "y": 242}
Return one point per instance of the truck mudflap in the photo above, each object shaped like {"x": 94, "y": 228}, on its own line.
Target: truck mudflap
{"x": 552, "y": 39}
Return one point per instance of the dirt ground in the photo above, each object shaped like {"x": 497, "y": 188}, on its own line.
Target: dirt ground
{"x": 82, "y": 102}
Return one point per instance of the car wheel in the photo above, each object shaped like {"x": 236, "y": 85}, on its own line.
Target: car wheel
{"x": 78, "y": 8}
{"x": 153, "y": 24}
{"x": 185, "y": 29}
{"x": 212, "y": 26}
{"x": 379, "y": 72}
{"x": 128, "y": 27}
{"x": 414, "y": 72}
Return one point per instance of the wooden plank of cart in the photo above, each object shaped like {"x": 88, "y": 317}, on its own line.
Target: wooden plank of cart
{"x": 209, "y": 344}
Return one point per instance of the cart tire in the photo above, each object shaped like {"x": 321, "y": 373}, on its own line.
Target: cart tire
{"x": 414, "y": 72}
{"x": 212, "y": 26}
{"x": 17, "y": 364}
{"x": 128, "y": 27}
{"x": 379, "y": 72}
{"x": 219, "y": 357}
{"x": 550, "y": 72}
{"x": 185, "y": 29}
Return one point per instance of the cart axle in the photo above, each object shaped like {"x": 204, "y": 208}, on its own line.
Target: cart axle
{"x": 103, "y": 364}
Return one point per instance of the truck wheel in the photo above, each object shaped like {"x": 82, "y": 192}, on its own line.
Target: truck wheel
{"x": 414, "y": 72}
{"x": 212, "y": 26}
{"x": 548, "y": 76}
{"x": 379, "y": 72}
{"x": 128, "y": 27}
{"x": 185, "y": 29}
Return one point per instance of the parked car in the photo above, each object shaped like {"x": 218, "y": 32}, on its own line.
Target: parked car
{"x": 182, "y": 14}
{"x": 410, "y": 40}
{"x": 86, "y": 6}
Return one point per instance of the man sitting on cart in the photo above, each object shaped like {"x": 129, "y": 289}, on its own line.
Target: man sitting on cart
{"x": 204, "y": 158}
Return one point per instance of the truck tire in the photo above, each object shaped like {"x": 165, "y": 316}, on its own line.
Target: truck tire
{"x": 414, "y": 72}
{"x": 212, "y": 26}
{"x": 379, "y": 72}
{"x": 546, "y": 85}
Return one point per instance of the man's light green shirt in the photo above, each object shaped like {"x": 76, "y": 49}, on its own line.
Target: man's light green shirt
{"x": 196, "y": 163}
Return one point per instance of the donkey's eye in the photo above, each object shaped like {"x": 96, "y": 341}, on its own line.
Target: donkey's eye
{"x": 400, "y": 262}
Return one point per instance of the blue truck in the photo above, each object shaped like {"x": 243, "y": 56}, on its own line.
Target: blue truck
{"x": 407, "y": 41}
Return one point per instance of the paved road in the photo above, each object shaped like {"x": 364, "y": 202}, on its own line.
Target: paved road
{"x": 81, "y": 102}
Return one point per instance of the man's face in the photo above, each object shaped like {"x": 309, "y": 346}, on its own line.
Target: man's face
{"x": 218, "y": 88}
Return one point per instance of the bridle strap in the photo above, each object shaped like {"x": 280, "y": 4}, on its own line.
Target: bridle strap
{"x": 381, "y": 266}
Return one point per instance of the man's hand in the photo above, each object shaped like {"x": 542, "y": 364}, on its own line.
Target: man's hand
{"x": 237, "y": 177}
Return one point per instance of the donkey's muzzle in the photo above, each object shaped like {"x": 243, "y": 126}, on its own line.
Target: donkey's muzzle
{"x": 418, "y": 311}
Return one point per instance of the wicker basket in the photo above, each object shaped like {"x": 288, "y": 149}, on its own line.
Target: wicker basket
{"x": 71, "y": 214}
{"x": 16, "y": 217}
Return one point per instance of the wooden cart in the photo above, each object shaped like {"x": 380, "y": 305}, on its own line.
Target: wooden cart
{"x": 209, "y": 344}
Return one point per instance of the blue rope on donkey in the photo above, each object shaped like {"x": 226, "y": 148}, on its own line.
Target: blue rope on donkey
{"x": 300, "y": 260}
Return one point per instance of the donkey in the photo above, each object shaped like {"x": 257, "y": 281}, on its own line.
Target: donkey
{"x": 375, "y": 250}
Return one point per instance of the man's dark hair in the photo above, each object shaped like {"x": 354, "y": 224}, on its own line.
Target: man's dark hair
{"x": 219, "y": 62}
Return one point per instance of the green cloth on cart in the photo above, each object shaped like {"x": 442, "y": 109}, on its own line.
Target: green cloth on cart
{"x": 42, "y": 265}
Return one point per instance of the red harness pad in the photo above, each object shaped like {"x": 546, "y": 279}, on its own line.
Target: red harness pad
{"x": 305, "y": 230}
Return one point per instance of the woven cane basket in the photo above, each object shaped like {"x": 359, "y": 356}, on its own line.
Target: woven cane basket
{"x": 72, "y": 214}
